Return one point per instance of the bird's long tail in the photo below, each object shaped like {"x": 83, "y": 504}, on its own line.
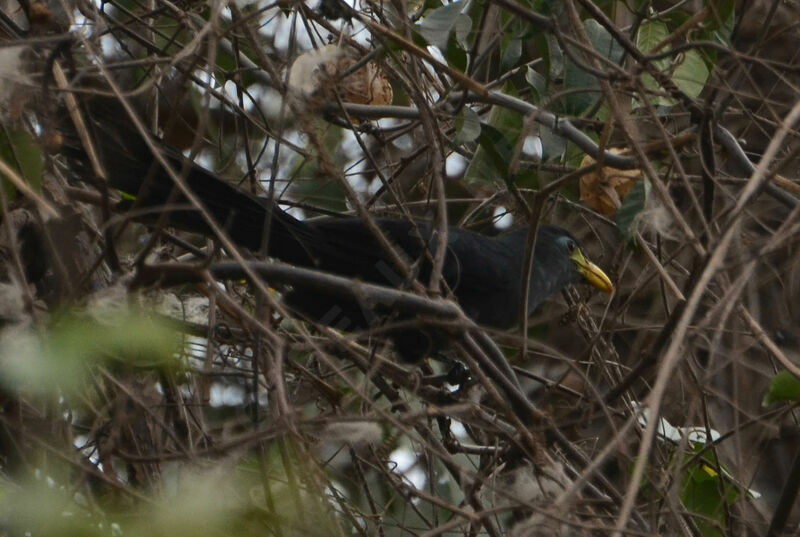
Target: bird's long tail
{"x": 132, "y": 169}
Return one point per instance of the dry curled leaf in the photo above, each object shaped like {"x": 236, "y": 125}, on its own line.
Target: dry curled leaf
{"x": 317, "y": 74}
{"x": 367, "y": 85}
{"x": 604, "y": 189}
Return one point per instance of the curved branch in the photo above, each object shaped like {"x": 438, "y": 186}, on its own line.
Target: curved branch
{"x": 728, "y": 141}
{"x": 560, "y": 126}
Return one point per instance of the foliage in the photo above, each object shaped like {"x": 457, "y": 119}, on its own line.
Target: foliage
{"x": 20, "y": 151}
{"x": 784, "y": 386}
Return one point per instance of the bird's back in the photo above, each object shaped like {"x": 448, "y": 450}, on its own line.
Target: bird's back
{"x": 482, "y": 272}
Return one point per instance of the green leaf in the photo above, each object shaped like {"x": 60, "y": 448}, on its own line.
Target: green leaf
{"x": 723, "y": 21}
{"x": 468, "y": 126}
{"x": 553, "y": 145}
{"x": 528, "y": 178}
{"x": 437, "y": 25}
{"x": 602, "y": 41}
{"x": 537, "y": 82}
{"x": 633, "y": 204}
{"x": 554, "y": 58}
{"x": 689, "y": 71}
{"x": 691, "y": 74}
{"x": 225, "y": 65}
{"x": 461, "y": 30}
{"x": 497, "y": 140}
{"x": 574, "y": 155}
{"x": 455, "y": 54}
{"x": 511, "y": 54}
{"x": 20, "y": 151}
{"x": 651, "y": 34}
{"x": 705, "y": 492}
{"x": 782, "y": 387}
{"x": 493, "y": 157}
{"x": 575, "y": 78}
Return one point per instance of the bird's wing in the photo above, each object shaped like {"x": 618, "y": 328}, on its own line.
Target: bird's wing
{"x": 481, "y": 263}
{"x": 484, "y": 273}
{"x": 475, "y": 262}
{"x": 348, "y": 247}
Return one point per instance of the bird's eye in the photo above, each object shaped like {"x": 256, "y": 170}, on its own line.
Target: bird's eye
{"x": 571, "y": 246}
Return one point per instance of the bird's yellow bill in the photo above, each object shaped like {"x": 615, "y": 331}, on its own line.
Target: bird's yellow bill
{"x": 591, "y": 272}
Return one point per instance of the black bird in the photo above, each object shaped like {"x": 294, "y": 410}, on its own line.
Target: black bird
{"x": 484, "y": 273}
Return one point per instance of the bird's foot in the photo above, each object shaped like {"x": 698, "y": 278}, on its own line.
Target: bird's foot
{"x": 459, "y": 374}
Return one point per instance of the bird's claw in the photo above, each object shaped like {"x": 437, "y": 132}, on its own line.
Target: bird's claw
{"x": 458, "y": 374}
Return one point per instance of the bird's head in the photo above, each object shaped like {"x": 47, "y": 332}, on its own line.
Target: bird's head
{"x": 565, "y": 263}
{"x": 587, "y": 270}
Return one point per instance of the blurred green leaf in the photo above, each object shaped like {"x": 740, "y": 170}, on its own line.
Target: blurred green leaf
{"x": 782, "y": 387}
{"x": 437, "y": 25}
{"x": 43, "y": 507}
{"x": 199, "y": 504}
{"x": 468, "y": 126}
{"x": 26, "y": 364}
{"x": 59, "y": 358}
{"x": 20, "y": 151}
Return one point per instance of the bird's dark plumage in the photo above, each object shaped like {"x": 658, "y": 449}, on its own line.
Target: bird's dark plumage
{"x": 483, "y": 273}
